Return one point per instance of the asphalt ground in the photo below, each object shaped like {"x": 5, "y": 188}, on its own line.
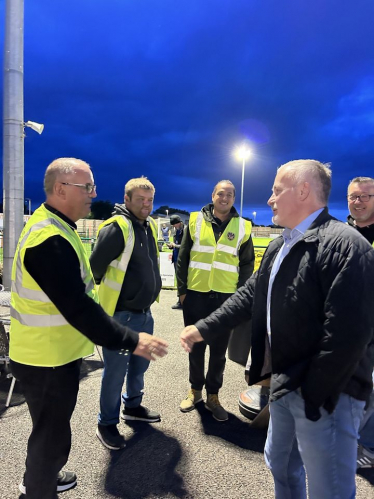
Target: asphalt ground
{"x": 188, "y": 455}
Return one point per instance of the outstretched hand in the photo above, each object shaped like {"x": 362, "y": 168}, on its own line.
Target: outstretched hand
{"x": 189, "y": 336}
{"x": 150, "y": 347}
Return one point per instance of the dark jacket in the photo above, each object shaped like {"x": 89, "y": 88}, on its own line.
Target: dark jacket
{"x": 322, "y": 316}
{"x": 367, "y": 231}
{"x": 246, "y": 251}
{"x": 142, "y": 283}
{"x": 177, "y": 240}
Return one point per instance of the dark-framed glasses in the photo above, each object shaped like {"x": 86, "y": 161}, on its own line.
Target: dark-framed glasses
{"x": 364, "y": 198}
{"x": 89, "y": 187}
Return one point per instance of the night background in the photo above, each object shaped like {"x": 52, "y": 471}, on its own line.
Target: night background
{"x": 167, "y": 89}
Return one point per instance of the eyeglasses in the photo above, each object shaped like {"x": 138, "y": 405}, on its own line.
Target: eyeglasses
{"x": 364, "y": 198}
{"x": 89, "y": 187}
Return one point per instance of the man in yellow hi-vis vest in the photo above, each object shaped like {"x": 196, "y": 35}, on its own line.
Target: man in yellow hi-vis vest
{"x": 55, "y": 321}
{"x": 125, "y": 263}
{"x": 215, "y": 258}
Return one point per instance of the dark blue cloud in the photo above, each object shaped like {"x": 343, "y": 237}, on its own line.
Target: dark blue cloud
{"x": 167, "y": 89}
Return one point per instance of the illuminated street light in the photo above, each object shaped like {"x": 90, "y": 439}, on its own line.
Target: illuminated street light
{"x": 254, "y": 217}
{"x": 242, "y": 153}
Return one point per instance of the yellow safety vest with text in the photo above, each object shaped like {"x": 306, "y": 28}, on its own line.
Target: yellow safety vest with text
{"x": 111, "y": 284}
{"x": 214, "y": 266}
{"x": 39, "y": 333}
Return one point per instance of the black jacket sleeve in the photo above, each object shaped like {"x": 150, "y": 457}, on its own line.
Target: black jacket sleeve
{"x": 246, "y": 261}
{"x": 109, "y": 245}
{"x": 56, "y": 268}
{"x": 183, "y": 262}
{"x": 234, "y": 311}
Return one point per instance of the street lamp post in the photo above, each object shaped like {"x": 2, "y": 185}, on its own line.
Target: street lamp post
{"x": 242, "y": 154}
{"x": 29, "y": 200}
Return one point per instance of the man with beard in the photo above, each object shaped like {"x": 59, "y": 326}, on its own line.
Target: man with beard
{"x": 125, "y": 263}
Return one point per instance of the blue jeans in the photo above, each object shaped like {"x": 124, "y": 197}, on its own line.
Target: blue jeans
{"x": 367, "y": 425}
{"x": 118, "y": 365}
{"x": 327, "y": 448}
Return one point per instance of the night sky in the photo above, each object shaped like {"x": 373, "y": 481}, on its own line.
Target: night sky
{"x": 168, "y": 88}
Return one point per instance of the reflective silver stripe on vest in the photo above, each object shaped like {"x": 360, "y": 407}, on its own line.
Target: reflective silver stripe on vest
{"x": 203, "y": 249}
{"x": 196, "y": 244}
{"x": 38, "y": 320}
{"x": 225, "y": 266}
{"x": 241, "y": 232}
{"x": 116, "y": 286}
{"x": 123, "y": 263}
{"x": 200, "y": 265}
{"x": 227, "y": 249}
{"x": 30, "y": 294}
{"x": 39, "y": 295}
{"x": 90, "y": 286}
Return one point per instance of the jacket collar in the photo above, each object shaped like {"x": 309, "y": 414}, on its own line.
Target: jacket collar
{"x": 311, "y": 233}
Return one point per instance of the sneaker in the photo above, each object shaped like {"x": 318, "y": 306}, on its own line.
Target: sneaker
{"x": 177, "y": 306}
{"x": 193, "y": 398}
{"x": 365, "y": 458}
{"x": 110, "y": 437}
{"x": 213, "y": 404}
{"x": 66, "y": 480}
{"x": 140, "y": 413}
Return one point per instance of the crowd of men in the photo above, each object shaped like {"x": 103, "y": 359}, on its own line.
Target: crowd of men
{"x": 310, "y": 303}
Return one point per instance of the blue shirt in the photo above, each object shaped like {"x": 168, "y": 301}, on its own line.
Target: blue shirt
{"x": 290, "y": 238}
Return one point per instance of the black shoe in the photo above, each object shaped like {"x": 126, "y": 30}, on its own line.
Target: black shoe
{"x": 110, "y": 437}
{"x": 140, "y": 413}
{"x": 177, "y": 306}
{"x": 66, "y": 480}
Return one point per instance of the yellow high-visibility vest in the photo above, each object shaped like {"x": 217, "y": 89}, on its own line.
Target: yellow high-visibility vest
{"x": 214, "y": 266}
{"x": 39, "y": 333}
{"x": 111, "y": 284}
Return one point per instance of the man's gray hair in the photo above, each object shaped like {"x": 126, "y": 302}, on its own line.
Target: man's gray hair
{"x": 58, "y": 168}
{"x": 314, "y": 172}
{"x": 361, "y": 180}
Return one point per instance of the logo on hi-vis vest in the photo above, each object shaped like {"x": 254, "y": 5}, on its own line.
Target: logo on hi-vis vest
{"x": 230, "y": 236}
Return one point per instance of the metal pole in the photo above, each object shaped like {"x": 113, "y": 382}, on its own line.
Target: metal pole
{"x": 241, "y": 198}
{"x": 13, "y": 147}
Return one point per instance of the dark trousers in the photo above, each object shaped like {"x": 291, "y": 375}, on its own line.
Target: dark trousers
{"x": 51, "y": 395}
{"x": 197, "y": 306}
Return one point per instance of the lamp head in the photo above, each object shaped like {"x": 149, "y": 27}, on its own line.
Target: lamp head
{"x": 37, "y": 127}
{"x": 242, "y": 153}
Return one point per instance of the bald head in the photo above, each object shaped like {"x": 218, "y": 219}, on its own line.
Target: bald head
{"x": 60, "y": 168}
{"x": 69, "y": 187}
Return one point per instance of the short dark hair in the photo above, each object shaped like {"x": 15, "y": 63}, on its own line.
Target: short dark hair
{"x": 224, "y": 182}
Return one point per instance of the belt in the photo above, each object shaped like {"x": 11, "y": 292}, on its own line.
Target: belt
{"x": 137, "y": 310}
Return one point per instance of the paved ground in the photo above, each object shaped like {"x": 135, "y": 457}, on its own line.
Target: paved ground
{"x": 184, "y": 456}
